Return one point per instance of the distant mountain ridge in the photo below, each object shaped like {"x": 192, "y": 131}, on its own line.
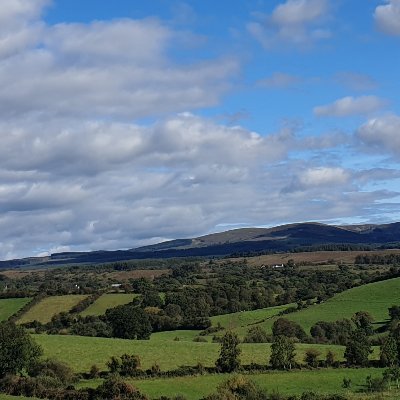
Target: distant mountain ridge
{"x": 238, "y": 241}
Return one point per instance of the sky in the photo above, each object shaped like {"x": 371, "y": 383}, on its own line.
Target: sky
{"x": 125, "y": 123}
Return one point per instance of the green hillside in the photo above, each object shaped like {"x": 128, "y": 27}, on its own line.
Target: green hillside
{"x": 375, "y": 298}
{"x": 9, "y": 307}
{"x": 106, "y": 301}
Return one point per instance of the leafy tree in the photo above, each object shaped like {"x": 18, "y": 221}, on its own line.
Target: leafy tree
{"x": 392, "y": 374}
{"x": 285, "y": 327}
{"x": 282, "y": 352}
{"x": 363, "y": 321}
{"x": 129, "y": 322}
{"x": 18, "y": 351}
{"x": 388, "y": 353}
{"x": 256, "y": 335}
{"x": 311, "y": 357}
{"x": 228, "y": 359}
{"x": 129, "y": 364}
{"x": 330, "y": 359}
{"x": 114, "y": 388}
{"x": 394, "y": 312}
{"x": 358, "y": 349}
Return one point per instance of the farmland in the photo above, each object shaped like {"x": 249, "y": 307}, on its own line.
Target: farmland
{"x": 106, "y": 301}
{"x": 9, "y": 307}
{"x": 49, "y": 306}
{"x": 82, "y": 352}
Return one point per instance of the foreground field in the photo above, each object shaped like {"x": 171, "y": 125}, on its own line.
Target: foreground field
{"x": 106, "y": 301}
{"x": 49, "y": 306}
{"x": 9, "y": 307}
{"x": 82, "y": 352}
{"x": 288, "y": 383}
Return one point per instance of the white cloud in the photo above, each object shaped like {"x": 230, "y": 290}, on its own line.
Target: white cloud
{"x": 387, "y": 17}
{"x": 382, "y": 134}
{"x": 298, "y": 22}
{"x": 348, "y": 106}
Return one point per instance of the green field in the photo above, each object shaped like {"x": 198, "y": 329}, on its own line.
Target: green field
{"x": 9, "y": 307}
{"x": 106, "y": 301}
{"x": 287, "y": 383}
{"x": 7, "y": 397}
{"x": 375, "y": 298}
{"x": 82, "y": 352}
{"x": 49, "y": 306}
{"x": 241, "y": 321}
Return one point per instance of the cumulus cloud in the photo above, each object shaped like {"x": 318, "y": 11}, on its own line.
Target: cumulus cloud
{"x": 382, "y": 134}
{"x": 298, "y": 22}
{"x": 387, "y": 17}
{"x": 348, "y": 106}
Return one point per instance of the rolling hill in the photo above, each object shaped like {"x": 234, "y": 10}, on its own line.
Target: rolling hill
{"x": 238, "y": 241}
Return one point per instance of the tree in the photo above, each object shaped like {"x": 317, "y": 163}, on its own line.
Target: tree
{"x": 285, "y": 327}
{"x": 363, "y": 321}
{"x": 18, "y": 351}
{"x": 129, "y": 322}
{"x": 358, "y": 349}
{"x": 282, "y": 352}
{"x": 228, "y": 359}
{"x": 311, "y": 357}
{"x": 256, "y": 335}
{"x": 388, "y": 353}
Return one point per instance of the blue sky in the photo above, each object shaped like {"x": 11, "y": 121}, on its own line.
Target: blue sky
{"x": 130, "y": 122}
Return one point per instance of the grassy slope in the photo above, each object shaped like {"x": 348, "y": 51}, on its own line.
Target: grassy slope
{"x": 106, "y": 301}
{"x": 82, "y": 352}
{"x": 49, "y": 306}
{"x": 9, "y": 307}
{"x": 375, "y": 298}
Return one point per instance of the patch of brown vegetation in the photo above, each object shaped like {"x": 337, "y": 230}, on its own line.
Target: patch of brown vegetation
{"x": 138, "y": 273}
{"x": 315, "y": 257}
{"x": 18, "y": 274}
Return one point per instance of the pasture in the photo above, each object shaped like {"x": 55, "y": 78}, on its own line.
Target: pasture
{"x": 8, "y": 307}
{"x": 49, "y": 306}
{"x": 106, "y": 301}
{"x": 326, "y": 381}
{"x": 82, "y": 352}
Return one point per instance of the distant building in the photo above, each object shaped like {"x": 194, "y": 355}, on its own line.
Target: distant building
{"x": 278, "y": 266}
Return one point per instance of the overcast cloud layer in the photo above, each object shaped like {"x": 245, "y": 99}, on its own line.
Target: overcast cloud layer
{"x": 105, "y": 145}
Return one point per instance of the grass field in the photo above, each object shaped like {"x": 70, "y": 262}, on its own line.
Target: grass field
{"x": 241, "y": 321}
{"x": 106, "y": 301}
{"x": 7, "y": 397}
{"x": 82, "y": 352}
{"x": 49, "y": 306}
{"x": 375, "y": 298}
{"x": 9, "y": 307}
{"x": 287, "y": 383}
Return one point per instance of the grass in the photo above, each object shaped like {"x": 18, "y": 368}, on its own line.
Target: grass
{"x": 375, "y": 298}
{"x": 106, "y": 301}
{"x": 8, "y": 307}
{"x": 287, "y": 383}
{"x": 8, "y": 397}
{"x": 241, "y": 321}
{"x": 49, "y": 306}
{"x": 82, "y": 352}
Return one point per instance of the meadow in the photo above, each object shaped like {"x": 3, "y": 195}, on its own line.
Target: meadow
{"x": 8, "y": 307}
{"x": 49, "y": 306}
{"x": 106, "y": 301}
{"x": 82, "y": 352}
{"x": 327, "y": 381}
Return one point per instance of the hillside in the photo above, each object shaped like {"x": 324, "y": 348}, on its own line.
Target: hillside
{"x": 238, "y": 241}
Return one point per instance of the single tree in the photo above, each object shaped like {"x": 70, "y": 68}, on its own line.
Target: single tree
{"x": 311, "y": 357}
{"x": 282, "y": 353}
{"x": 228, "y": 359}
{"x": 18, "y": 351}
{"x": 388, "y": 353}
{"x": 358, "y": 349}
{"x": 363, "y": 321}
